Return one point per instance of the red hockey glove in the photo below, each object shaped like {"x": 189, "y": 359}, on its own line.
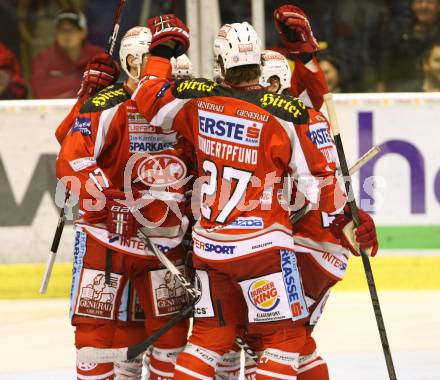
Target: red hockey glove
{"x": 170, "y": 31}
{"x": 295, "y": 31}
{"x": 364, "y": 237}
{"x": 101, "y": 72}
{"x": 120, "y": 218}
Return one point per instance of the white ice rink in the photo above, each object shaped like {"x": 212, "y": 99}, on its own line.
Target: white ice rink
{"x": 37, "y": 340}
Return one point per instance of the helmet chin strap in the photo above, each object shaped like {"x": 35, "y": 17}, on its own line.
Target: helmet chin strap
{"x": 138, "y": 70}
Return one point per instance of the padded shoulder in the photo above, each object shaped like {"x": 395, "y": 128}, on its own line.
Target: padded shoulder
{"x": 195, "y": 88}
{"x": 106, "y": 98}
{"x": 282, "y": 106}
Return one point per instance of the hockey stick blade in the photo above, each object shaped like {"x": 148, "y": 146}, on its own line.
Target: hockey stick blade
{"x": 101, "y": 355}
{"x": 109, "y": 355}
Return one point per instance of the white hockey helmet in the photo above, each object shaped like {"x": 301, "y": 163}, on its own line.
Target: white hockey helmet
{"x": 238, "y": 44}
{"x": 182, "y": 67}
{"x": 275, "y": 64}
{"x": 136, "y": 42}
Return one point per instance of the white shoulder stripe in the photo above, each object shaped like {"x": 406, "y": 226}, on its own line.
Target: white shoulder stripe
{"x": 306, "y": 182}
{"x": 305, "y": 98}
{"x": 164, "y": 118}
{"x": 104, "y": 124}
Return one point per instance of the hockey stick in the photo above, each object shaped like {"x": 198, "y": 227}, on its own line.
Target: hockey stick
{"x": 61, "y": 220}
{"x": 359, "y": 163}
{"x": 354, "y": 211}
{"x": 107, "y": 355}
{"x": 115, "y": 30}
{"x": 190, "y": 289}
{"x": 54, "y": 247}
{"x": 295, "y": 218}
{"x": 245, "y": 347}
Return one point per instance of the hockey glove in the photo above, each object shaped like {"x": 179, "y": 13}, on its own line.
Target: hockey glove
{"x": 295, "y": 31}
{"x": 363, "y": 237}
{"x": 170, "y": 36}
{"x": 101, "y": 72}
{"x": 120, "y": 218}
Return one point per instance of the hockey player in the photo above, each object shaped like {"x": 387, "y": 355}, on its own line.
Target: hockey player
{"x": 276, "y": 76}
{"x": 323, "y": 249}
{"x": 101, "y": 72}
{"x": 108, "y": 138}
{"x": 245, "y": 139}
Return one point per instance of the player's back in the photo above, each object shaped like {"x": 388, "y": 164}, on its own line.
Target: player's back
{"x": 246, "y": 143}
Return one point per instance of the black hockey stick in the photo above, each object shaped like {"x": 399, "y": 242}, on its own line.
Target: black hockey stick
{"x": 328, "y": 99}
{"x": 190, "y": 289}
{"x": 61, "y": 220}
{"x": 107, "y": 355}
{"x": 115, "y": 30}
{"x": 54, "y": 247}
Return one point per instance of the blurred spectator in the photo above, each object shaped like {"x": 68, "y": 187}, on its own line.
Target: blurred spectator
{"x": 351, "y": 28}
{"x": 332, "y": 71}
{"x": 430, "y": 80}
{"x": 12, "y": 85}
{"x": 431, "y": 69}
{"x": 406, "y": 42}
{"x": 57, "y": 71}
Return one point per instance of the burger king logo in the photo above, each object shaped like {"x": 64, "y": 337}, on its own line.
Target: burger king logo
{"x": 264, "y": 295}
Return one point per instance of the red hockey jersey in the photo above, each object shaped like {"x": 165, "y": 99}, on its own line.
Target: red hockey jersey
{"x": 246, "y": 143}
{"x": 111, "y": 146}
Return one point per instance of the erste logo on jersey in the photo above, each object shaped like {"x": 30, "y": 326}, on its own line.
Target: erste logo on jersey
{"x": 161, "y": 170}
{"x": 318, "y": 134}
{"x": 264, "y": 295}
{"x": 228, "y": 128}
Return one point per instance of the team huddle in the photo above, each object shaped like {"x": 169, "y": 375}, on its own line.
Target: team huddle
{"x": 233, "y": 179}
